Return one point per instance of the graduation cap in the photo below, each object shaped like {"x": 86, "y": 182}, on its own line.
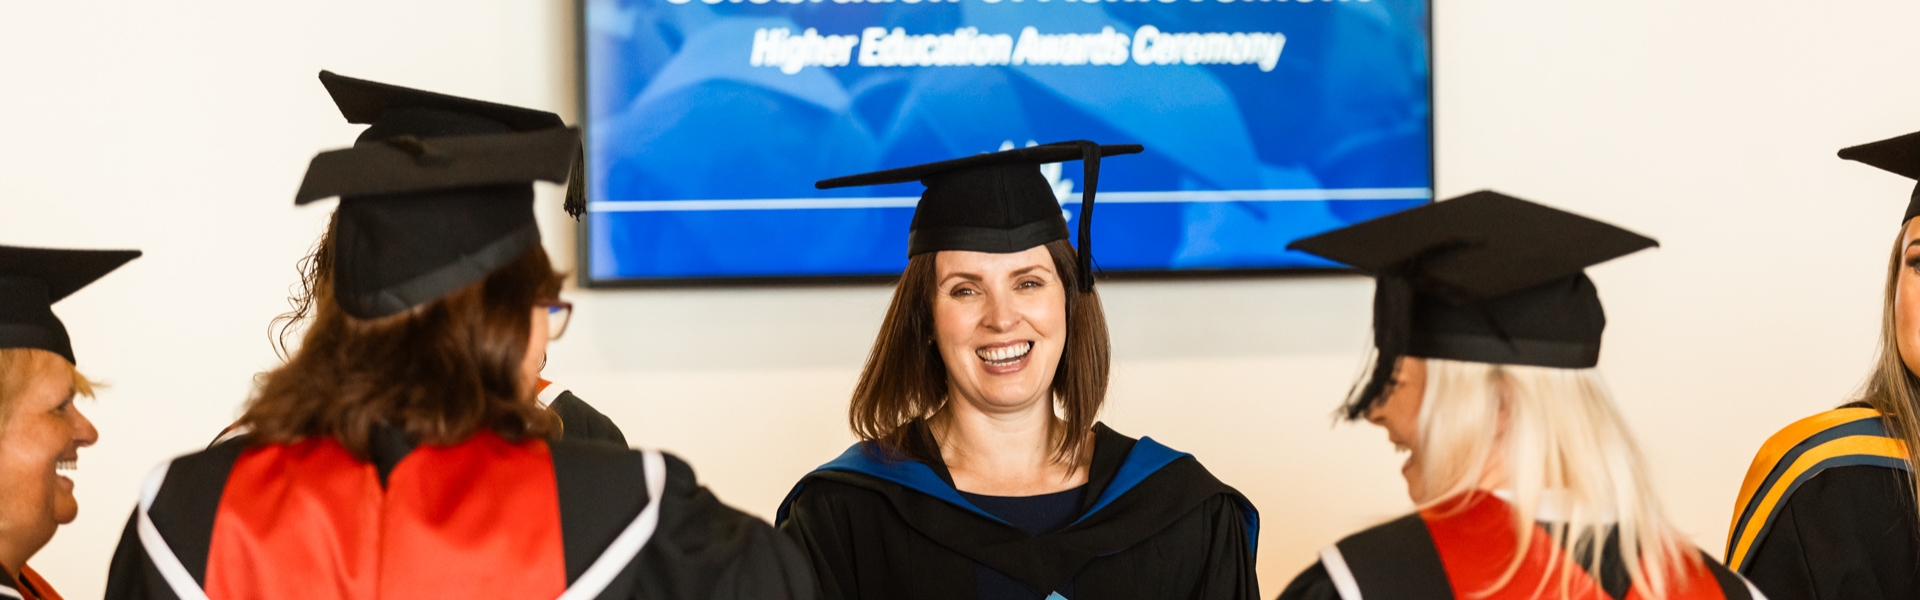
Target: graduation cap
{"x": 1484, "y": 277}
{"x": 436, "y": 193}
{"x": 1900, "y": 155}
{"x": 996, "y": 202}
{"x": 32, "y": 279}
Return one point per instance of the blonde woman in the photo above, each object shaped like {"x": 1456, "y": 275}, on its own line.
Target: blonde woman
{"x": 1527, "y": 482}
{"x": 41, "y": 431}
{"x": 1827, "y": 510}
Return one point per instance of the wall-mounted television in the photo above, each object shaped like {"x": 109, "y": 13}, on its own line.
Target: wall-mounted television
{"x": 707, "y": 122}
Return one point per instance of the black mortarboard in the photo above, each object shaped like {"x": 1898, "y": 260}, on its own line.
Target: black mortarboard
{"x": 1900, "y": 155}
{"x": 435, "y": 194}
{"x": 1484, "y": 277}
{"x": 32, "y": 279}
{"x": 996, "y": 202}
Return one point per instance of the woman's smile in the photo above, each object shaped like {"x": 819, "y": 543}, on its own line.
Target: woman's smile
{"x": 1005, "y": 359}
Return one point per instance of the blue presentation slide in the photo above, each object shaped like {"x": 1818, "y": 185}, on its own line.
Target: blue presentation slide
{"x": 1264, "y": 121}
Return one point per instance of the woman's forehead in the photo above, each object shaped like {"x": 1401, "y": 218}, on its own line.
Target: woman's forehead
{"x": 987, "y": 265}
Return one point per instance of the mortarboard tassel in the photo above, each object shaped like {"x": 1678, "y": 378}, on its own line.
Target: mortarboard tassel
{"x": 1393, "y": 322}
{"x": 1392, "y": 331}
{"x": 1090, "y": 166}
{"x": 576, "y": 204}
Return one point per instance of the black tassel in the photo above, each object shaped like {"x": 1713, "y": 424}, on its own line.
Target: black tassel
{"x": 1392, "y": 332}
{"x": 576, "y": 204}
{"x": 1090, "y": 172}
{"x": 1393, "y": 297}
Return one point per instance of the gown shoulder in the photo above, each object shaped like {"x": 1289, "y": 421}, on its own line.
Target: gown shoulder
{"x": 1849, "y": 532}
{"x": 1311, "y": 584}
{"x": 701, "y": 548}
{"x": 581, "y": 421}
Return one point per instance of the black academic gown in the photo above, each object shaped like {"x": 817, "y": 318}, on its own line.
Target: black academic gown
{"x": 579, "y": 421}
{"x": 701, "y": 548}
{"x": 1849, "y": 533}
{"x": 1154, "y": 524}
{"x": 1846, "y": 524}
{"x": 1418, "y": 573}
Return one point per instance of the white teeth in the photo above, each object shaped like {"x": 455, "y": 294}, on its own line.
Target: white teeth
{"x": 1006, "y": 353}
{"x": 66, "y": 465}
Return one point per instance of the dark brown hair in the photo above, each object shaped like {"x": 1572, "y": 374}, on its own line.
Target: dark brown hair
{"x": 905, "y": 379}
{"x": 438, "y": 372}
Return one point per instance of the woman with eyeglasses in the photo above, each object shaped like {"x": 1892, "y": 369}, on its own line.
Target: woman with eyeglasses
{"x": 41, "y": 430}
{"x": 400, "y": 451}
{"x": 578, "y": 420}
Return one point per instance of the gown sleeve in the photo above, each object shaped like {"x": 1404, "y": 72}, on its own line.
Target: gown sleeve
{"x": 1311, "y": 584}
{"x": 1849, "y": 532}
{"x": 131, "y": 575}
{"x": 816, "y": 524}
{"x": 1230, "y": 568}
{"x": 580, "y": 421}
{"x": 706, "y": 549}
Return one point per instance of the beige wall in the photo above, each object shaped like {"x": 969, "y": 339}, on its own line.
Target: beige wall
{"x": 182, "y": 128}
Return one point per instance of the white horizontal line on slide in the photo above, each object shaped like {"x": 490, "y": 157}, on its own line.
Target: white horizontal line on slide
{"x": 1103, "y": 197}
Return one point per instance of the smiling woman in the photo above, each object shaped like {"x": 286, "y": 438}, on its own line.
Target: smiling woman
{"x": 939, "y": 320}
{"x": 982, "y": 473}
{"x": 41, "y": 431}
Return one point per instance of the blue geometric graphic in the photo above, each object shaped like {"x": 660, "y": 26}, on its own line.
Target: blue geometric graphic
{"x": 1265, "y": 121}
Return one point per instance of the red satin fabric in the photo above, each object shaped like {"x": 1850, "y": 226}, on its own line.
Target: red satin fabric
{"x": 1476, "y": 543}
{"x": 33, "y": 587}
{"x": 476, "y": 519}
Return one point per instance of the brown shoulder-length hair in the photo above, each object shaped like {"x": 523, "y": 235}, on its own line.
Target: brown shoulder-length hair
{"x": 905, "y": 379}
{"x": 1891, "y": 388}
{"x": 438, "y": 372}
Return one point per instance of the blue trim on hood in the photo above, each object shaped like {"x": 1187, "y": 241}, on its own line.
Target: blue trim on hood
{"x": 911, "y": 474}
{"x": 1146, "y": 458}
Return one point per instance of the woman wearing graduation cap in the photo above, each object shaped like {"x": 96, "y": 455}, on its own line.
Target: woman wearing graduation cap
{"x": 1827, "y": 509}
{"x": 1527, "y": 482}
{"x": 41, "y": 430}
{"x": 400, "y": 452}
{"x": 982, "y": 473}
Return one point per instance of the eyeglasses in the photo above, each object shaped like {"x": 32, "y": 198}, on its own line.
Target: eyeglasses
{"x": 559, "y": 312}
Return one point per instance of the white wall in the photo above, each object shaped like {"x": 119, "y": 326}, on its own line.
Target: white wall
{"x": 183, "y": 128}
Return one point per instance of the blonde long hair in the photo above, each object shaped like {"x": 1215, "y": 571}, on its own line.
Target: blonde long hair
{"x": 1891, "y": 388}
{"x": 17, "y": 367}
{"x": 1560, "y": 432}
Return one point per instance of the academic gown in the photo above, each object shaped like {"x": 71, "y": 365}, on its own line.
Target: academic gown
{"x": 29, "y": 586}
{"x": 579, "y": 421}
{"x": 1459, "y": 550}
{"x": 1828, "y": 512}
{"x": 496, "y": 522}
{"x": 1152, "y": 523}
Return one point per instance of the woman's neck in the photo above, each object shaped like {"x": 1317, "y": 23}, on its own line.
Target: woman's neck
{"x": 13, "y": 559}
{"x": 1004, "y": 453}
